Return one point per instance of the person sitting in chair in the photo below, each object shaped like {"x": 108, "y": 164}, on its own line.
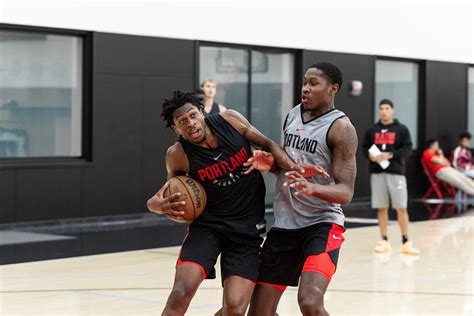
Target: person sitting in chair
{"x": 462, "y": 157}
{"x": 440, "y": 167}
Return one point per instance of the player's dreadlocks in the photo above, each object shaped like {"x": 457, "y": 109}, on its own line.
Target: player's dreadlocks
{"x": 179, "y": 99}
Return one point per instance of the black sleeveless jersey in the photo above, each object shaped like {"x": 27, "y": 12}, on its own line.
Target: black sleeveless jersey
{"x": 235, "y": 202}
{"x": 214, "y": 109}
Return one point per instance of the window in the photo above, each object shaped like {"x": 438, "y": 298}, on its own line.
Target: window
{"x": 264, "y": 93}
{"x": 398, "y": 81}
{"x": 470, "y": 102}
{"x": 40, "y": 95}
{"x": 229, "y": 68}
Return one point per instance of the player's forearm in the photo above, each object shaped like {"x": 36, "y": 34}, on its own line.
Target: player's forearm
{"x": 334, "y": 193}
{"x": 281, "y": 159}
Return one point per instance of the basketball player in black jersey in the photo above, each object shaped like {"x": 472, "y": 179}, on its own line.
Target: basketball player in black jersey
{"x": 213, "y": 150}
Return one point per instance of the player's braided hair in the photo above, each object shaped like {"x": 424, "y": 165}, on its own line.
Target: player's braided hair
{"x": 330, "y": 71}
{"x": 179, "y": 99}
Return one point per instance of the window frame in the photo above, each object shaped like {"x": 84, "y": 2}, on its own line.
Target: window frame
{"x": 249, "y": 49}
{"x": 86, "y": 103}
{"x": 469, "y": 66}
{"x": 421, "y": 126}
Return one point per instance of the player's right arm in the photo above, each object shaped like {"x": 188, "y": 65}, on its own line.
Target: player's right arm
{"x": 176, "y": 164}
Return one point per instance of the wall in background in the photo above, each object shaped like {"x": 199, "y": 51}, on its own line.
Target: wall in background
{"x": 434, "y": 30}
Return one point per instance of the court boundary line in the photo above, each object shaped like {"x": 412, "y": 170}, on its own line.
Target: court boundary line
{"x": 219, "y": 288}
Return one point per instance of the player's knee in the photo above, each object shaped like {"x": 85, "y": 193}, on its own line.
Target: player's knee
{"x": 179, "y": 298}
{"x": 235, "y": 306}
{"x": 312, "y": 303}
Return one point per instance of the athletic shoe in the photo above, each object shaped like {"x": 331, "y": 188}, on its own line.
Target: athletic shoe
{"x": 382, "y": 246}
{"x": 408, "y": 249}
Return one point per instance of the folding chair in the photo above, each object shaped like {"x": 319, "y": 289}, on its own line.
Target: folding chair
{"x": 437, "y": 185}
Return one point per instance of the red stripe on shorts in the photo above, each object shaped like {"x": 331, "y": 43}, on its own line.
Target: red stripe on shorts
{"x": 321, "y": 263}
{"x": 180, "y": 262}
{"x": 277, "y": 286}
{"x": 335, "y": 237}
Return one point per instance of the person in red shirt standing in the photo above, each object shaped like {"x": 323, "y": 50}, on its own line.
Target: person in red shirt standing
{"x": 440, "y": 167}
{"x": 462, "y": 157}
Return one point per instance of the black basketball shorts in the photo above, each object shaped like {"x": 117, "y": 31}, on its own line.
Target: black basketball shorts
{"x": 239, "y": 253}
{"x": 287, "y": 253}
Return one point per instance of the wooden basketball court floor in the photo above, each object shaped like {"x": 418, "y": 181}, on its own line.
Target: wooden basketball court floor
{"x": 439, "y": 282}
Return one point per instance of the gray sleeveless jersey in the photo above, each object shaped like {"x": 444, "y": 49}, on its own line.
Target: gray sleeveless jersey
{"x": 306, "y": 143}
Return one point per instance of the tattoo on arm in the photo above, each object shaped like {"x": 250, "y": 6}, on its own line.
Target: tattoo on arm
{"x": 344, "y": 163}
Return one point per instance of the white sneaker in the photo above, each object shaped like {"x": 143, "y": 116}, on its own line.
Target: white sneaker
{"x": 382, "y": 246}
{"x": 408, "y": 249}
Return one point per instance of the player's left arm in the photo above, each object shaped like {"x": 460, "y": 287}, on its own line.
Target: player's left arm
{"x": 258, "y": 140}
{"x": 342, "y": 139}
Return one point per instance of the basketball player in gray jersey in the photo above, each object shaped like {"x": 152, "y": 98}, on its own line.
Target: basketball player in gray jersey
{"x": 303, "y": 244}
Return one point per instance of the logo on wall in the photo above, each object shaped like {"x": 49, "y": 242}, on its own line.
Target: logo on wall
{"x": 356, "y": 87}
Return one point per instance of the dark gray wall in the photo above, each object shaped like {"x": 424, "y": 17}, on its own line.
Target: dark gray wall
{"x": 443, "y": 114}
{"x": 358, "y": 109}
{"x": 131, "y": 76}
{"x": 446, "y": 102}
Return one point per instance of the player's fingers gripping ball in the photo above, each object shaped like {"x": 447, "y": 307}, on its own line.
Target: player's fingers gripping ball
{"x": 192, "y": 193}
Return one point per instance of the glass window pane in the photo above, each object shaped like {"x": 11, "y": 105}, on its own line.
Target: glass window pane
{"x": 398, "y": 81}
{"x": 272, "y": 98}
{"x": 470, "y": 104}
{"x": 229, "y": 68}
{"x": 40, "y": 95}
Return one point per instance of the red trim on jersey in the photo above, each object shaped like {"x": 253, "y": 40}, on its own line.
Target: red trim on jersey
{"x": 276, "y": 286}
{"x": 321, "y": 263}
{"x": 335, "y": 238}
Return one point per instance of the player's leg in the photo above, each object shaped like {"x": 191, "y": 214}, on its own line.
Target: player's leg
{"x": 187, "y": 280}
{"x": 380, "y": 201}
{"x": 237, "y": 294}
{"x": 239, "y": 266}
{"x": 322, "y": 246}
{"x": 311, "y": 292}
{"x": 265, "y": 299}
{"x": 196, "y": 262}
{"x": 281, "y": 260}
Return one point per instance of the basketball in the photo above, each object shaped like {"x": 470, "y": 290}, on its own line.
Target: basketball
{"x": 192, "y": 193}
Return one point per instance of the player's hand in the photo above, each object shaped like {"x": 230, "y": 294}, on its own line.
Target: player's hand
{"x": 261, "y": 160}
{"x": 178, "y": 219}
{"x": 308, "y": 171}
{"x": 298, "y": 183}
{"x": 166, "y": 205}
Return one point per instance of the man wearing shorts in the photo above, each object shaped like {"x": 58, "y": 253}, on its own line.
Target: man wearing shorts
{"x": 303, "y": 244}
{"x": 389, "y": 185}
{"x": 213, "y": 150}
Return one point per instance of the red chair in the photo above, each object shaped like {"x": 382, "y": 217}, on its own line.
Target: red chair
{"x": 437, "y": 186}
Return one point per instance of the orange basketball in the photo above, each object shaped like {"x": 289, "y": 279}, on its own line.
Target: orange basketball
{"x": 192, "y": 193}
